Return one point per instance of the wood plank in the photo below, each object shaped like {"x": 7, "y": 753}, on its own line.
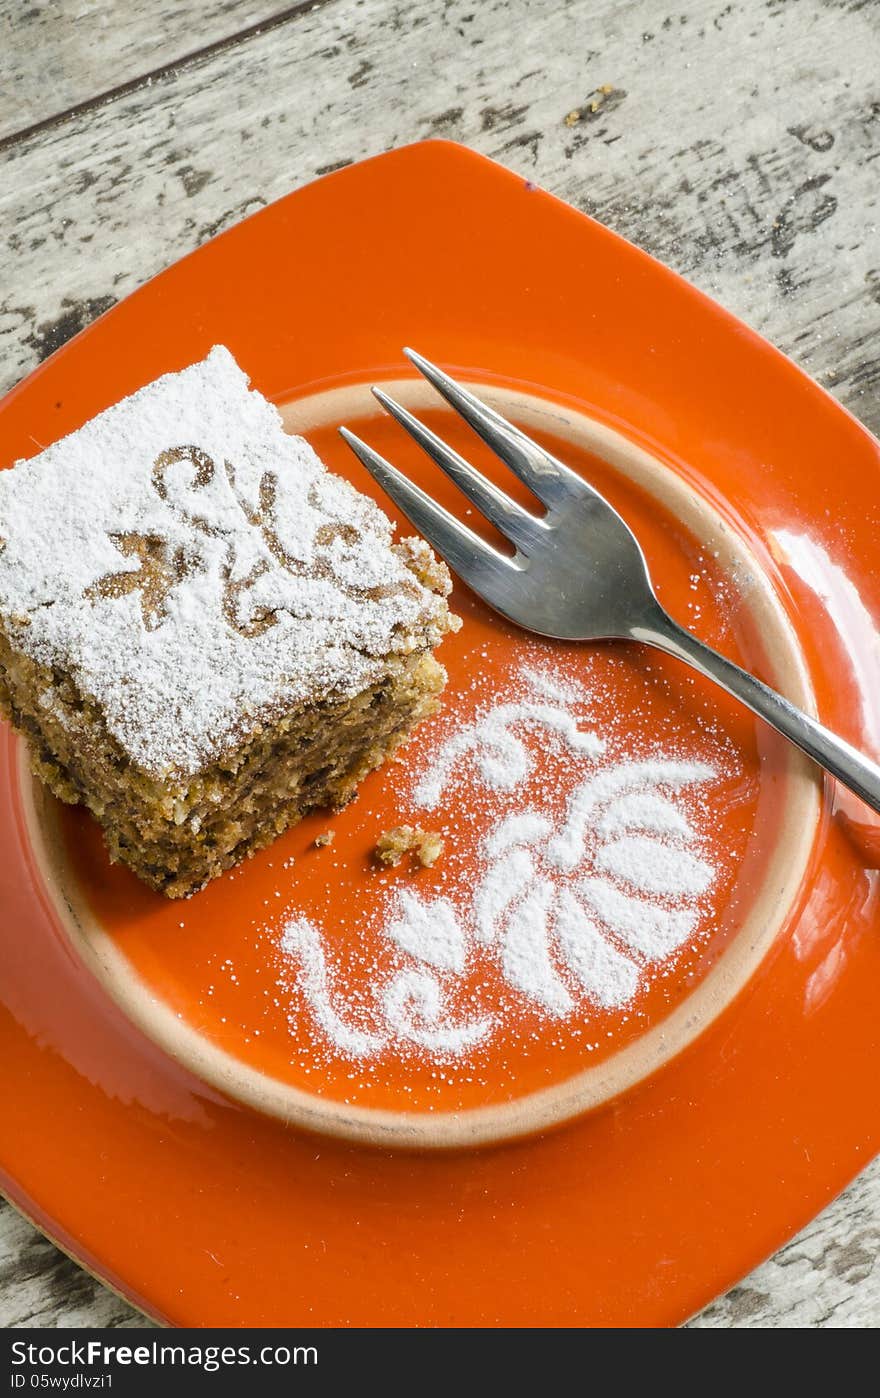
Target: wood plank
{"x": 39, "y": 1286}
{"x": 739, "y": 144}
{"x": 58, "y": 56}
{"x": 767, "y": 200}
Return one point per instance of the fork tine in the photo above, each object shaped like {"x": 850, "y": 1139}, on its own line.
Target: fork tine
{"x": 520, "y": 527}
{"x": 476, "y": 562}
{"x": 552, "y": 482}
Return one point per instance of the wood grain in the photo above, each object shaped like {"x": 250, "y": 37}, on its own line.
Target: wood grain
{"x": 73, "y": 51}
{"x": 768, "y": 204}
{"x": 738, "y": 142}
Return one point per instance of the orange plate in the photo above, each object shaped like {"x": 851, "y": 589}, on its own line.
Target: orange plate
{"x": 203, "y": 1211}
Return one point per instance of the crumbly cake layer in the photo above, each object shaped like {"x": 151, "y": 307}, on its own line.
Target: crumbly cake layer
{"x": 204, "y": 634}
{"x": 178, "y": 838}
{"x": 197, "y": 572}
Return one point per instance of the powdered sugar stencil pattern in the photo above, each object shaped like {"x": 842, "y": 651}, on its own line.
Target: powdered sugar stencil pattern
{"x": 572, "y": 909}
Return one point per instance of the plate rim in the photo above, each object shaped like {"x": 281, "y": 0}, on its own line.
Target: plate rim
{"x": 593, "y": 1087}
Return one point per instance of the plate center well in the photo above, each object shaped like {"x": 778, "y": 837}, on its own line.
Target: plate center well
{"x": 622, "y": 845}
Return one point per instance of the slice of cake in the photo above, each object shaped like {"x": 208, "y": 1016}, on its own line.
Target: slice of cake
{"x": 204, "y": 634}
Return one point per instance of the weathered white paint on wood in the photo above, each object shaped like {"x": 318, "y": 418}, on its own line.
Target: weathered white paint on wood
{"x": 57, "y": 55}
{"x": 40, "y": 1286}
{"x": 739, "y": 143}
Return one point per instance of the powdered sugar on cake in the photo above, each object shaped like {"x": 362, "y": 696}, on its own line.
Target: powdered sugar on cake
{"x": 194, "y": 568}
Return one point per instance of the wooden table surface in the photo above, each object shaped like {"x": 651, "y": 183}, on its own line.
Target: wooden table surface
{"x": 738, "y": 143}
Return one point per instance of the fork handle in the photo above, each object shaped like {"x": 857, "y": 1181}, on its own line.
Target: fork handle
{"x": 839, "y": 758}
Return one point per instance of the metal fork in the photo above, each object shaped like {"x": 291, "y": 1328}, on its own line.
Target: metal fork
{"x": 578, "y": 572}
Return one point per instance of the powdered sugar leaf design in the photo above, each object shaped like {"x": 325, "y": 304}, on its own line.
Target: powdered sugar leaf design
{"x": 429, "y": 930}
{"x": 525, "y": 951}
{"x": 302, "y": 943}
{"x": 606, "y": 975}
{"x": 647, "y": 928}
{"x": 627, "y": 778}
{"x": 645, "y": 811}
{"x": 502, "y": 757}
{"x": 411, "y": 1002}
{"x": 573, "y": 912}
{"x": 502, "y": 886}
{"x": 413, "y": 1007}
{"x": 652, "y": 867}
{"x": 522, "y": 828}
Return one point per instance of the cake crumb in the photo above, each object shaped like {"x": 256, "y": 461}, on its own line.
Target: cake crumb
{"x": 425, "y": 846}
{"x": 430, "y": 849}
{"x": 327, "y": 838}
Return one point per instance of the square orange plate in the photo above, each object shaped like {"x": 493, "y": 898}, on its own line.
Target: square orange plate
{"x": 614, "y": 1152}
